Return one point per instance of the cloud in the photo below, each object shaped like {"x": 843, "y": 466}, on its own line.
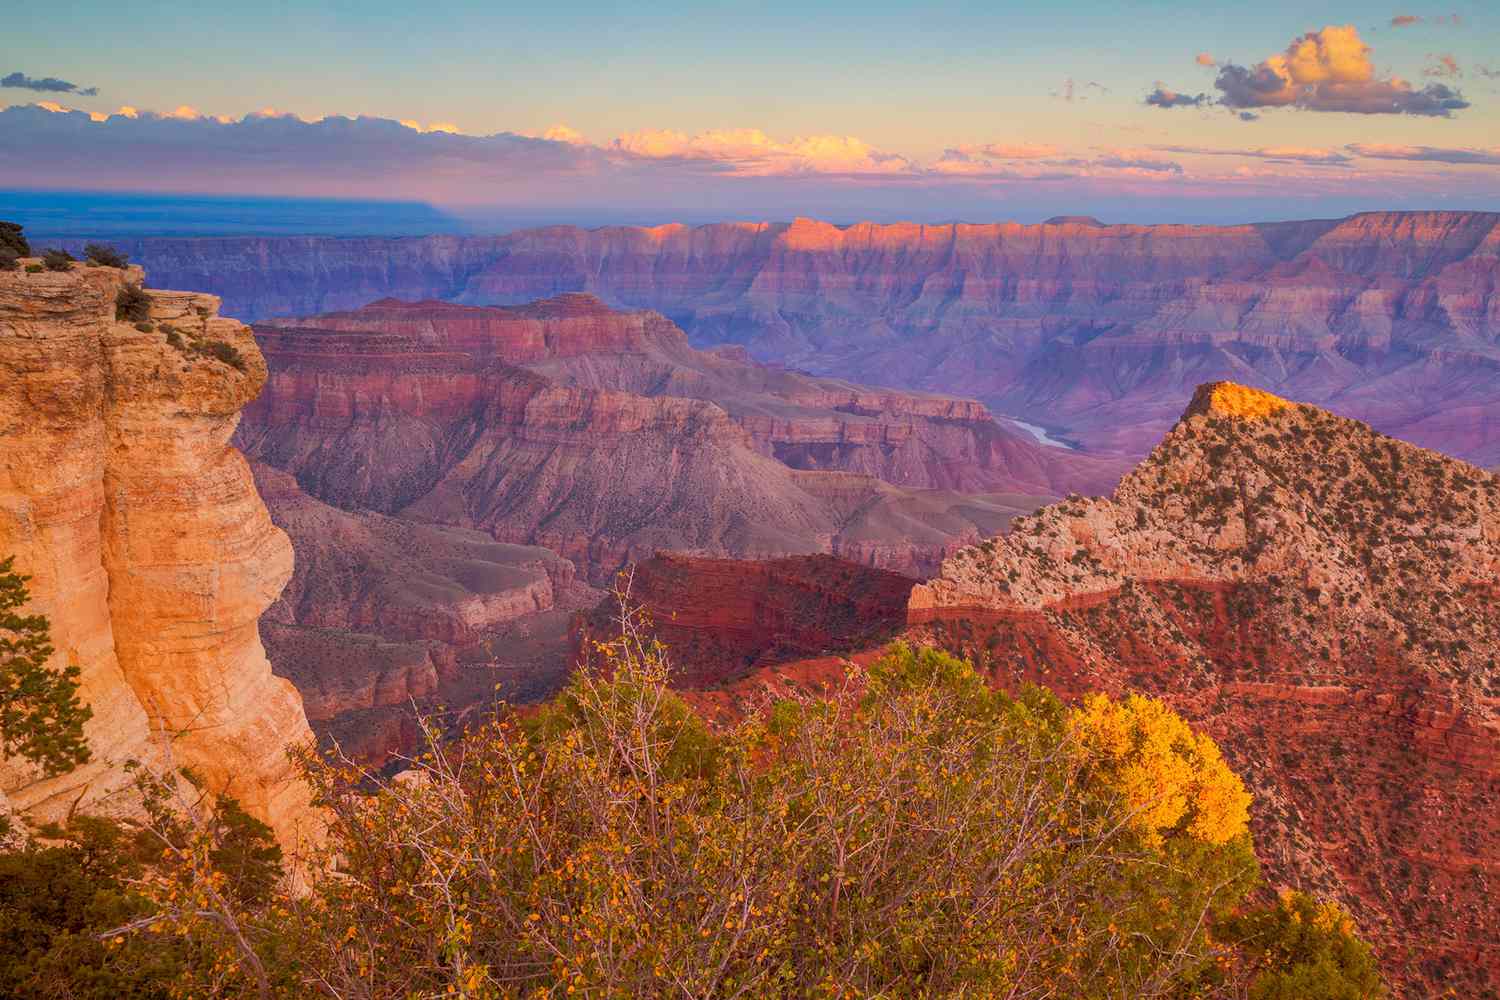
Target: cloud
{"x": 1426, "y": 154}
{"x": 563, "y": 133}
{"x": 1204, "y": 59}
{"x": 751, "y": 151}
{"x": 1405, "y": 20}
{"x": 1487, "y": 73}
{"x": 1282, "y": 154}
{"x": 1327, "y": 70}
{"x": 1004, "y": 151}
{"x": 1161, "y": 97}
{"x": 1443, "y": 65}
{"x": 1137, "y": 161}
{"x": 658, "y": 175}
{"x": 46, "y": 84}
{"x": 1330, "y": 70}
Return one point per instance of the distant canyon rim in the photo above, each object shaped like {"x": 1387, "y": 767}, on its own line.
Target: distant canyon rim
{"x": 1097, "y": 333}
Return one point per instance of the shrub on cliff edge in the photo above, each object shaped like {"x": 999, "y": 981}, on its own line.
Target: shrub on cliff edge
{"x": 13, "y": 239}
{"x": 57, "y": 260}
{"x": 132, "y": 305}
{"x": 105, "y": 256}
{"x": 917, "y": 834}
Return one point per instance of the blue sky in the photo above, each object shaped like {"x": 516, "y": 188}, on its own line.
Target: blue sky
{"x": 906, "y": 83}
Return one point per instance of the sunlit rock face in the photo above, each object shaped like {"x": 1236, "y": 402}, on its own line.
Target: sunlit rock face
{"x": 1101, "y": 332}
{"x": 148, "y": 546}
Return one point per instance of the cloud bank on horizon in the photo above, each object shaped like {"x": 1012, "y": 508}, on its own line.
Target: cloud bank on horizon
{"x": 1120, "y": 169}
{"x": 664, "y": 174}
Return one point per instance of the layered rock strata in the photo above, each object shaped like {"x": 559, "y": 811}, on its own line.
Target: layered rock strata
{"x": 722, "y": 618}
{"x": 147, "y": 545}
{"x": 1097, "y": 331}
{"x": 428, "y": 420}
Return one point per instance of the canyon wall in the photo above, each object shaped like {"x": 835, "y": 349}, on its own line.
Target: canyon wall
{"x": 573, "y": 427}
{"x": 146, "y": 543}
{"x": 1097, "y": 332}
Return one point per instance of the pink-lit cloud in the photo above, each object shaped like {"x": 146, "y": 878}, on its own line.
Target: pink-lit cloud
{"x": 752, "y": 152}
{"x": 659, "y": 174}
{"x": 1327, "y": 70}
{"x": 1442, "y": 65}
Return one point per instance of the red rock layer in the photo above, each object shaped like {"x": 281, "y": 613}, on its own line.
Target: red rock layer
{"x": 1099, "y": 330}
{"x": 721, "y": 618}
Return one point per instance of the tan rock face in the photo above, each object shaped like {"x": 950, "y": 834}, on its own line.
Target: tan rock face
{"x": 147, "y": 544}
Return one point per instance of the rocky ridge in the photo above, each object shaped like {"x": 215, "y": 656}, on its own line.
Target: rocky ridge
{"x": 1322, "y": 599}
{"x": 146, "y": 542}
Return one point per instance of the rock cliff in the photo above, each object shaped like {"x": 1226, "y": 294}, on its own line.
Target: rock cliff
{"x": 912, "y": 439}
{"x": 383, "y": 614}
{"x": 1101, "y": 331}
{"x": 1322, "y": 600}
{"x": 147, "y": 545}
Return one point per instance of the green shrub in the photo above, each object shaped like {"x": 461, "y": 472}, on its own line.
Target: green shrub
{"x": 145, "y": 327}
{"x": 132, "y": 305}
{"x": 105, "y": 256}
{"x": 41, "y": 716}
{"x": 34, "y": 269}
{"x": 227, "y": 353}
{"x": 57, "y": 260}
{"x": 11, "y": 238}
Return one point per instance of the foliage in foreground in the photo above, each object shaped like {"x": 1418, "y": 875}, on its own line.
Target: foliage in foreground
{"x": 914, "y": 835}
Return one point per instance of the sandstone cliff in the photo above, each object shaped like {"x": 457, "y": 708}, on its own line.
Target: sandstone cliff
{"x": 1099, "y": 330}
{"x": 147, "y": 544}
{"x": 1322, "y": 599}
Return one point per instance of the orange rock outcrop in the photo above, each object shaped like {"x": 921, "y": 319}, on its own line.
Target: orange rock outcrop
{"x": 147, "y": 544}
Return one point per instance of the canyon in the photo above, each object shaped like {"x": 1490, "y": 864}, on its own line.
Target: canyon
{"x": 1097, "y": 333}
{"x": 1318, "y": 597}
{"x": 146, "y": 544}
{"x": 451, "y": 474}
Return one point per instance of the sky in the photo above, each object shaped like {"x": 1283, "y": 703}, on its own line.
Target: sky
{"x": 1140, "y": 111}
